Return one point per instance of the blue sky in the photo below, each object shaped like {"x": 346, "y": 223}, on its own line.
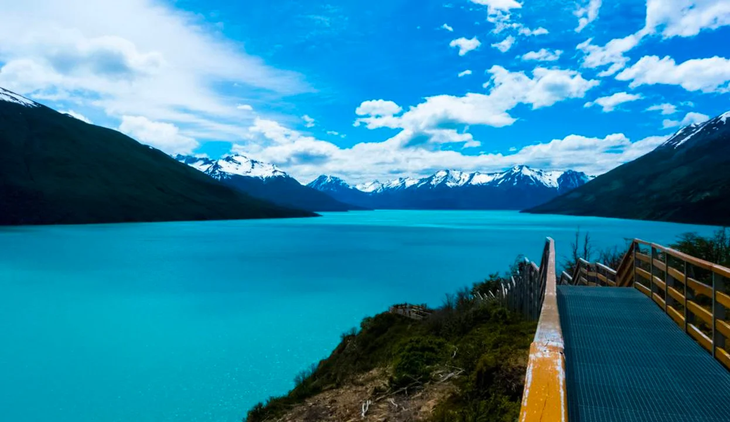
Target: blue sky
{"x": 375, "y": 90}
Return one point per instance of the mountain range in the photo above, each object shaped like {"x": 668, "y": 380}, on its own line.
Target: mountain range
{"x": 686, "y": 180}
{"x": 264, "y": 181}
{"x": 60, "y": 170}
{"x": 517, "y": 188}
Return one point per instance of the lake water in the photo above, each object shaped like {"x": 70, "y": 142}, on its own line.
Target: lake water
{"x": 199, "y": 321}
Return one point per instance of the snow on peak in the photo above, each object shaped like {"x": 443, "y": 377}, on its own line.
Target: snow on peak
{"x": 724, "y": 117}
{"x": 12, "y": 97}
{"x": 689, "y": 132}
{"x": 450, "y": 178}
{"x": 370, "y": 187}
{"x": 324, "y": 182}
{"x": 240, "y": 165}
{"x": 401, "y": 183}
{"x": 232, "y": 165}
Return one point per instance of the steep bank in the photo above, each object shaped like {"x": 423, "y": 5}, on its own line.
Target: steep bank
{"x": 59, "y": 170}
{"x": 467, "y": 358}
{"x": 684, "y": 180}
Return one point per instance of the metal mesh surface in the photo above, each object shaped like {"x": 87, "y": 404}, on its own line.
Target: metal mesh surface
{"x": 626, "y": 360}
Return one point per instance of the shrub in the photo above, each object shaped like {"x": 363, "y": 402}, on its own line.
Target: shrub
{"x": 415, "y": 360}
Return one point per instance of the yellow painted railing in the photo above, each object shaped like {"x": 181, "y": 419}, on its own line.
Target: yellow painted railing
{"x": 693, "y": 292}
{"x": 544, "y": 397}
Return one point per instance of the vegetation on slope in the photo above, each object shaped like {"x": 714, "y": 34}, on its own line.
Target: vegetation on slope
{"x": 478, "y": 346}
{"x": 59, "y": 170}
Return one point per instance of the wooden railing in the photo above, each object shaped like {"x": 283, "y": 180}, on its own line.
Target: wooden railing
{"x": 533, "y": 292}
{"x": 693, "y": 292}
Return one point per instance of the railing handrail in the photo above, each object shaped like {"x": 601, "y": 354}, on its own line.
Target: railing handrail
{"x": 724, "y": 271}
{"x": 544, "y": 396}
{"x": 674, "y": 290}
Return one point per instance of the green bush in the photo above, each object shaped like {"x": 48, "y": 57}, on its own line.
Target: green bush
{"x": 415, "y": 360}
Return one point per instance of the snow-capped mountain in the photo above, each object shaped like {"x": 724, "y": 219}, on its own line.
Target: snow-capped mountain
{"x": 686, "y": 179}
{"x": 11, "y": 97}
{"x": 698, "y": 130}
{"x": 264, "y": 181}
{"x": 232, "y": 165}
{"x": 515, "y": 188}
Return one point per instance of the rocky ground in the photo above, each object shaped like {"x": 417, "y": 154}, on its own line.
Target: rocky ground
{"x": 346, "y": 403}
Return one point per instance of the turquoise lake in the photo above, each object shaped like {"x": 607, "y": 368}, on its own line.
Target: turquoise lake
{"x": 198, "y": 321}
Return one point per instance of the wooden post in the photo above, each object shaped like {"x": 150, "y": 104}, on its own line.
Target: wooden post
{"x": 718, "y": 313}
{"x": 651, "y": 272}
{"x": 636, "y": 246}
{"x": 687, "y": 294}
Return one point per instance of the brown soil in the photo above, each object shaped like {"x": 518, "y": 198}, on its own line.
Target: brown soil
{"x": 345, "y": 404}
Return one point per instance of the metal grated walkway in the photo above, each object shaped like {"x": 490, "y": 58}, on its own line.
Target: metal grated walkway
{"x": 626, "y": 360}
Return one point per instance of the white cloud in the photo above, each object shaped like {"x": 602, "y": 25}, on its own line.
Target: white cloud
{"x": 669, "y": 17}
{"x": 308, "y": 121}
{"x": 542, "y": 55}
{"x": 378, "y": 108}
{"x": 465, "y": 45}
{"x": 125, "y": 58}
{"x": 533, "y": 32}
{"x": 545, "y": 88}
{"x": 611, "y": 54}
{"x": 335, "y": 133}
{"x": 505, "y": 44}
{"x": 465, "y": 73}
{"x": 244, "y": 107}
{"x": 705, "y": 75}
{"x": 689, "y": 119}
{"x": 570, "y": 152}
{"x": 499, "y": 5}
{"x": 587, "y": 14}
{"x": 610, "y": 102}
{"x": 163, "y": 136}
{"x": 447, "y": 27}
{"x": 685, "y": 18}
{"x": 665, "y": 108}
{"x": 405, "y": 155}
{"x": 78, "y": 116}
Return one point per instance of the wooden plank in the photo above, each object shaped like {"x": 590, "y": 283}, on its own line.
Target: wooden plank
{"x": 659, "y": 264}
{"x": 658, "y": 299}
{"x": 592, "y": 274}
{"x": 658, "y": 281}
{"x": 625, "y": 276}
{"x": 700, "y": 312}
{"x": 723, "y": 357}
{"x": 676, "y": 274}
{"x": 674, "y": 293}
{"x": 583, "y": 270}
{"x": 643, "y": 257}
{"x": 643, "y": 289}
{"x": 643, "y": 273}
{"x": 719, "y": 269}
{"x": 676, "y": 316}
{"x": 583, "y": 280}
{"x": 607, "y": 269}
{"x": 724, "y": 328}
{"x": 699, "y": 288}
{"x": 701, "y": 338}
{"x": 592, "y": 284}
{"x": 602, "y": 278}
{"x": 611, "y": 283}
{"x": 723, "y": 299}
{"x": 642, "y": 242}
